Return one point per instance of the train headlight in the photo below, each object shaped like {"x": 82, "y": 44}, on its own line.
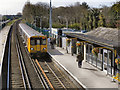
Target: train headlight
{"x": 44, "y": 48}
{"x": 32, "y": 48}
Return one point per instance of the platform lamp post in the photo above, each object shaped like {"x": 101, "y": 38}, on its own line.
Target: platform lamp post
{"x": 50, "y": 20}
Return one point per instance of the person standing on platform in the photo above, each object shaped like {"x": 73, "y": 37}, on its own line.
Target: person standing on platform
{"x": 48, "y": 41}
{"x": 52, "y": 43}
{"x": 79, "y": 59}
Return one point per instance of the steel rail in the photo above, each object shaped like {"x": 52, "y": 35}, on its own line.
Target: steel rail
{"x": 55, "y": 75}
{"x": 9, "y": 54}
{"x": 42, "y": 76}
{"x": 44, "y": 84}
{"x": 35, "y": 68}
{"x": 47, "y": 77}
{"x": 23, "y": 68}
{"x": 60, "y": 71}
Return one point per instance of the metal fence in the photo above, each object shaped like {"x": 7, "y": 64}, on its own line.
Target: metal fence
{"x": 93, "y": 60}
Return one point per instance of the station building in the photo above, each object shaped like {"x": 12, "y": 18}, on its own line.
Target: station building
{"x": 105, "y": 40}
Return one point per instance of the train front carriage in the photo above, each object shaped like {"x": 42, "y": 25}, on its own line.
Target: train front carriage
{"x": 36, "y": 42}
{"x": 38, "y": 45}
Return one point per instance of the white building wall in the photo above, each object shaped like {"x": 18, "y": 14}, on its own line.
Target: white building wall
{"x": 84, "y": 51}
{"x": 64, "y": 42}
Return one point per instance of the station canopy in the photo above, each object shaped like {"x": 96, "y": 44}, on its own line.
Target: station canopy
{"x": 106, "y": 37}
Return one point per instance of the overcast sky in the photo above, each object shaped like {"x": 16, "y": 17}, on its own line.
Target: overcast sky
{"x": 15, "y": 6}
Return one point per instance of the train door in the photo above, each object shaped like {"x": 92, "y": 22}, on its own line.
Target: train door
{"x": 38, "y": 46}
{"x": 32, "y": 45}
{"x": 43, "y": 44}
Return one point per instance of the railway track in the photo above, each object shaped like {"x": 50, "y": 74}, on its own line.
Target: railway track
{"x": 23, "y": 69}
{"x": 27, "y": 73}
{"x": 21, "y": 72}
{"x": 50, "y": 76}
{"x": 17, "y": 74}
{"x": 54, "y": 77}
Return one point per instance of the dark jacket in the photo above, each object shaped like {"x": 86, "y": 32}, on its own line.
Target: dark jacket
{"x": 79, "y": 57}
{"x": 52, "y": 41}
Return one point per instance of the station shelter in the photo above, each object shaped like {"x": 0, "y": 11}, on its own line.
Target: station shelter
{"x": 99, "y": 48}
{"x": 57, "y": 35}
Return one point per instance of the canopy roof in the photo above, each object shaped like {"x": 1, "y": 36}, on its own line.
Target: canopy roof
{"x": 107, "y": 37}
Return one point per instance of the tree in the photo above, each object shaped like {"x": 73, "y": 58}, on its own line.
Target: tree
{"x": 101, "y": 22}
{"x": 95, "y": 17}
{"x": 78, "y": 16}
{"x": 19, "y": 13}
{"x": 31, "y": 12}
{"x": 116, "y": 10}
{"x": 84, "y": 4}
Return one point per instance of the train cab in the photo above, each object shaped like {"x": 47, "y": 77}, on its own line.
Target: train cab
{"x": 38, "y": 44}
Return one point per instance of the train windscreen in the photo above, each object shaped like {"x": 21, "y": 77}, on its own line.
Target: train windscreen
{"x": 43, "y": 41}
{"x": 32, "y": 42}
{"x": 38, "y": 41}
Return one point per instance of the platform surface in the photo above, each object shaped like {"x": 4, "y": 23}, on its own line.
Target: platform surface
{"x": 88, "y": 75}
{"x": 3, "y": 38}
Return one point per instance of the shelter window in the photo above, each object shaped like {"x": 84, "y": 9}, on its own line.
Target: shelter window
{"x": 90, "y": 49}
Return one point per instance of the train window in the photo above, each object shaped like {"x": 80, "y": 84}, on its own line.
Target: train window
{"x": 43, "y": 41}
{"x": 32, "y": 42}
{"x": 38, "y": 42}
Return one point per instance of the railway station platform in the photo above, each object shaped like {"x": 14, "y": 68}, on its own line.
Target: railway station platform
{"x": 3, "y": 38}
{"x": 88, "y": 76}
